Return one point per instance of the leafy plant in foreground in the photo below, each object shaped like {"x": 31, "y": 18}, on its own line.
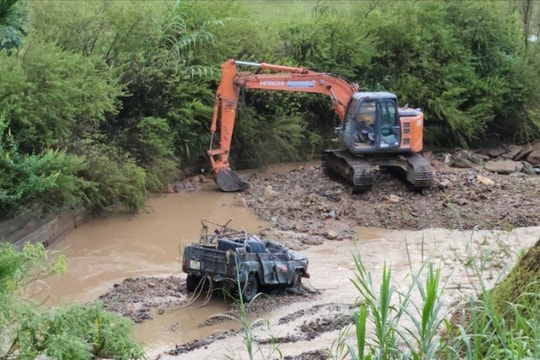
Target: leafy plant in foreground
{"x": 77, "y": 332}
{"x": 411, "y": 324}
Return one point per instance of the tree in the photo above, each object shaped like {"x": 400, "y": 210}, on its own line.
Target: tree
{"x": 462, "y": 63}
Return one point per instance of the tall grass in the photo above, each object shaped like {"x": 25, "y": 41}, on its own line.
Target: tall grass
{"x": 409, "y": 322}
{"x": 251, "y": 348}
{"x": 402, "y": 326}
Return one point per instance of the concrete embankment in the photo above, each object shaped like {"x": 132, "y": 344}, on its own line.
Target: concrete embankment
{"x": 24, "y": 228}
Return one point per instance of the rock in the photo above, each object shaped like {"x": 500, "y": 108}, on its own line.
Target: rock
{"x": 241, "y": 202}
{"x": 462, "y": 159}
{"x": 502, "y": 166}
{"x": 525, "y": 150}
{"x": 480, "y": 157}
{"x": 534, "y": 156}
{"x": 496, "y": 152}
{"x": 269, "y": 192}
{"x": 447, "y": 159}
{"x": 527, "y": 168}
{"x": 512, "y": 152}
{"x": 485, "y": 180}
{"x": 331, "y": 235}
{"x": 462, "y": 163}
{"x": 393, "y": 198}
{"x": 444, "y": 183}
{"x": 312, "y": 240}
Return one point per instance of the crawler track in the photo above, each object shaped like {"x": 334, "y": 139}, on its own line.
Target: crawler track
{"x": 419, "y": 172}
{"x": 359, "y": 171}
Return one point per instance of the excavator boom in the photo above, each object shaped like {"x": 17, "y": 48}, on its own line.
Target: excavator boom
{"x": 280, "y": 78}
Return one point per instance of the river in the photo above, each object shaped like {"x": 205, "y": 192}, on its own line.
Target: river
{"x": 107, "y": 250}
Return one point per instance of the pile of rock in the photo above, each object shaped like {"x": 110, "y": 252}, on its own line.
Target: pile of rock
{"x": 501, "y": 159}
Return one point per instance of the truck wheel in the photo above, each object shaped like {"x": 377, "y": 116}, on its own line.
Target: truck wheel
{"x": 192, "y": 281}
{"x": 297, "y": 281}
{"x": 249, "y": 289}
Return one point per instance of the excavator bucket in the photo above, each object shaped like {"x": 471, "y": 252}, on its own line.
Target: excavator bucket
{"x": 229, "y": 181}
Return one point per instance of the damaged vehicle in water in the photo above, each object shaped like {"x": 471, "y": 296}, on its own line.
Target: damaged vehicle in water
{"x": 239, "y": 262}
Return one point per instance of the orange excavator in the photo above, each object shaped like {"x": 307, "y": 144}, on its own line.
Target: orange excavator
{"x": 373, "y": 131}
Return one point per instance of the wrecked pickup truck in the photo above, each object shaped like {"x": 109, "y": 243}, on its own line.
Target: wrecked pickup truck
{"x": 239, "y": 261}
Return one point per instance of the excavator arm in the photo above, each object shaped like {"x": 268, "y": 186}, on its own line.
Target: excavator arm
{"x": 278, "y": 78}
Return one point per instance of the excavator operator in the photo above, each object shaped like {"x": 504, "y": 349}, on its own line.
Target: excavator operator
{"x": 364, "y": 123}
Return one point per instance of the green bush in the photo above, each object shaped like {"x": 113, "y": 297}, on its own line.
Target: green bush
{"x": 39, "y": 182}
{"x": 269, "y": 138}
{"x": 152, "y": 147}
{"x": 115, "y": 177}
{"x": 51, "y": 96}
{"x": 459, "y": 62}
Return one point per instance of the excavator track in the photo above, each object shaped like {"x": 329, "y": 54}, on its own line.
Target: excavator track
{"x": 419, "y": 172}
{"x": 414, "y": 169}
{"x": 356, "y": 171}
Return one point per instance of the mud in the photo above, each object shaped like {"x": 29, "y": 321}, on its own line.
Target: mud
{"x": 142, "y": 298}
{"x": 307, "y": 211}
{"x": 304, "y": 198}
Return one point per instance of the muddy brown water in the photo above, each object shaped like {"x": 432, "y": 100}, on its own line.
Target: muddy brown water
{"x": 106, "y": 251}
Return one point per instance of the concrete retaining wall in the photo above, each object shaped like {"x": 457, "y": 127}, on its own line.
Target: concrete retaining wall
{"x": 24, "y": 229}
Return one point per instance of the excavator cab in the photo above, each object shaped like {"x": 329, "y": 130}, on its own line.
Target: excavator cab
{"x": 371, "y": 123}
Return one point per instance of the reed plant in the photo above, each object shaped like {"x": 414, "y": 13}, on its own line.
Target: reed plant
{"x": 252, "y": 348}
{"x": 402, "y": 327}
{"x": 411, "y": 321}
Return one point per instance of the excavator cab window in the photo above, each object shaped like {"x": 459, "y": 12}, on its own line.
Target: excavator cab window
{"x": 365, "y": 122}
{"x": 351, "y": 112}
{"x": 389, "y": 128}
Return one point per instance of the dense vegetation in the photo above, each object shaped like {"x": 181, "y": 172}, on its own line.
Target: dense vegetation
{"x": 104, "y": 101}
